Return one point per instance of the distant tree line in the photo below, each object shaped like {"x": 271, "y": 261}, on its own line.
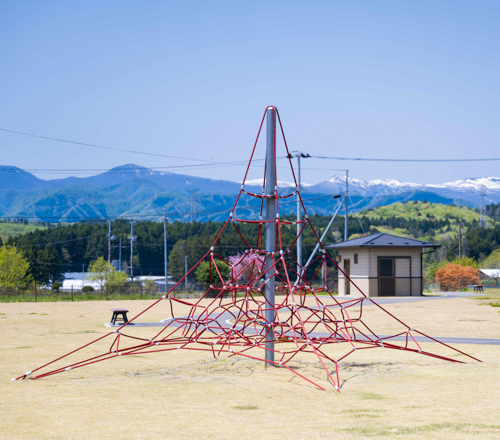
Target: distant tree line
{"x": 71, "y": 248}
{"x": 24, "y": 221}
{"x": 493, "y": 211}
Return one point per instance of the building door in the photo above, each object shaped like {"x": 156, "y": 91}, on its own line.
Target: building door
{"x": 386, "y": 277}
{"x": 347, "y": 283}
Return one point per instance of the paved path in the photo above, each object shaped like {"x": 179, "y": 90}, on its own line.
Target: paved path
{"x": 224, "y": 320}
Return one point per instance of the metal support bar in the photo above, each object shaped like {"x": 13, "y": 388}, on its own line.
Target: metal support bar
{"x": 324, "y": 234}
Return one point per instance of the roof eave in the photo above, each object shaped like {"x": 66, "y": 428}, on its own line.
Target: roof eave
{"x": 433, "y": 245}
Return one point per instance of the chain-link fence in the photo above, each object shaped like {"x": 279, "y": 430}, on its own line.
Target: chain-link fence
{"x": 459, "y": 284}
{"x": 127, "y": 292}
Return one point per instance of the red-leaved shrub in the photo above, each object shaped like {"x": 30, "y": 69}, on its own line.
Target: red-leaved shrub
{"x": 454, "y": 276}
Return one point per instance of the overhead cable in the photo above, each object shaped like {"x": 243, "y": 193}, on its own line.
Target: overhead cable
{"x": 403, "y": 160}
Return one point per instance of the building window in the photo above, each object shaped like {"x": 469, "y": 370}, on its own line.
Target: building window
{"x": 355, "y": 258}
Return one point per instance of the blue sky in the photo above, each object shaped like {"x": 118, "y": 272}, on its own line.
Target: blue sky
{"x": 192, "y": 79}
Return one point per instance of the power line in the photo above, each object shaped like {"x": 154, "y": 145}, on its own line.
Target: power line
{"x": 64, "y": 241}
{"x": 92, "y": 172}
{"x": 100, "y": 146}
{"x": 211, "y": 162}
{"x": 403, "y": 160}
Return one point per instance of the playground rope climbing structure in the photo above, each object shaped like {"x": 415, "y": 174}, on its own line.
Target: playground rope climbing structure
{"x": 266, "y": 307}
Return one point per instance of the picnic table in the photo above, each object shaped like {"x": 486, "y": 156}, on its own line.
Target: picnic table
{"x": 119, "y": 312}
{"x": 478, "y": 288}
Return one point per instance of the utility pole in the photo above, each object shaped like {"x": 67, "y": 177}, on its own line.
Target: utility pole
{"x": 483, "y": 221}
{"x": 298, "y": 155}
{"x": 120, "y": 269}
{"x": 165, "y": 245}
{"x": 132, "y": 238}
{"x": 110, "y": 237}
{"x": 346, "y": 232}
{"x": 270, "y": 231}
{"x": 459, "y": 239}
{"x": 186, "y": 272}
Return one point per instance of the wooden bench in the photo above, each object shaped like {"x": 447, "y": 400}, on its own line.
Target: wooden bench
{"x": 118, "y": 312}
{"x": 478, "y": 288}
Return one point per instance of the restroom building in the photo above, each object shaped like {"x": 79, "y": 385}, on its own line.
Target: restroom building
{"x": 381, "y": 265}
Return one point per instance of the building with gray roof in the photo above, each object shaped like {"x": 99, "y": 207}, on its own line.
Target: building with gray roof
{"x": 381, "y": 265}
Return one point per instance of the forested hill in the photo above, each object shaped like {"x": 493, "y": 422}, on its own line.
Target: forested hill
{"x": 423, "y": 220}
{"x": 438, "y": 223}
{"x": 67, "y": 248}
{"x": 424, "y": 210}
{"x": 132, "y": 190}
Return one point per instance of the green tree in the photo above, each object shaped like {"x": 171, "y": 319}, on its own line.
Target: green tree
{"x": 116, "y": 279}
{"x": 203, "y": 272}
{"x": 176, "y": 259}
{"x": 46, "y": 265}
{"x": 52, "y": 264}
{"x": 466, "y": 261}
{"x": 105, "y": 274}
{"x": 492, "y": 261}
{"x": 14, "y": 267}
{"x": 98, "y": 271}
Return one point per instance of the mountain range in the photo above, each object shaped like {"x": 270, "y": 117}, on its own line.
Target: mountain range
{"x": 132, "y": 190}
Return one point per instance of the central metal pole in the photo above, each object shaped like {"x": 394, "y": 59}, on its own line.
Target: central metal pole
{"x": 270, "y": 230}
{"x": 299, "y": 239}
{"x": 165, "y": 245}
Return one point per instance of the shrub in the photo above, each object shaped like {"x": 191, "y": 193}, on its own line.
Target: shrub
{"x": 14, "y": 267}
{"x": 454, "y": 276}
{"x": 207, "y": 276}
{"x": 87, "y": 289}
{"x": 56, "y": 286}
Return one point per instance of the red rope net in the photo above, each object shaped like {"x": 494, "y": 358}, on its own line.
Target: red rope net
{"x": 230, "y": 317}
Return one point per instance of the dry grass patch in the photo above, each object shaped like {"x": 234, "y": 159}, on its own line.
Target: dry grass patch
{"x": 187, "y": 394}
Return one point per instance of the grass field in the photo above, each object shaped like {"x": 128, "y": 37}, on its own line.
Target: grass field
{"x": 8, "y": 230}
{"x": 413, "y": 210}
{"x": 189, "y": 395}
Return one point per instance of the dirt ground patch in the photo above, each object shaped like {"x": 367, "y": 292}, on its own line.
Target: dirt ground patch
{"x": 185, "y": 394}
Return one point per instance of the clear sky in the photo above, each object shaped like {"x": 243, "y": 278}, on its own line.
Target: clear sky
{"x": 192, "y": 78}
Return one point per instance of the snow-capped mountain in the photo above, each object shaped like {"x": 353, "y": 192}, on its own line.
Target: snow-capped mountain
{"x": 135, "y": 190}
{"x": 490, "y": 184}
{"x": 467, "y": 189}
